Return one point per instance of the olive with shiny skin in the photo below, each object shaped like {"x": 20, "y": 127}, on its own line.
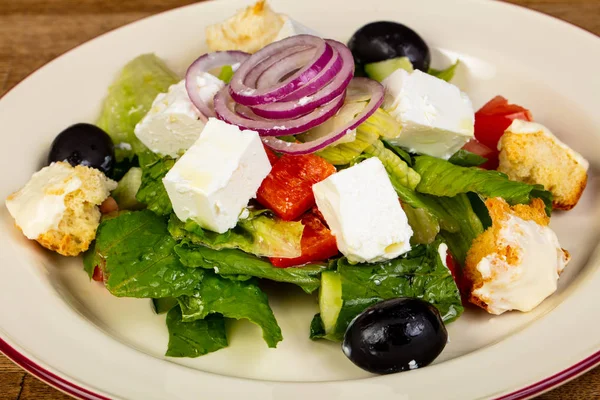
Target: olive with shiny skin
{"x": 395, "y": 335}
{"x": 382, "y": 40}
{"x": 84, "y": 144}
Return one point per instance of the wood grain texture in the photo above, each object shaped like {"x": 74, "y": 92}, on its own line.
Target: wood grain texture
{"x": 33, "y": 32}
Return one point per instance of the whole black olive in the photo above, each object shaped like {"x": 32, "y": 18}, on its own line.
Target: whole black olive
{"x": 383, "y": 40}
{"x": 84, "y": 144}
{"x": 395, "y": 335}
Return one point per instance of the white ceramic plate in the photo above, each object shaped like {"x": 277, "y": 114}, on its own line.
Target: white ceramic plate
{"x": 76, "y": 336}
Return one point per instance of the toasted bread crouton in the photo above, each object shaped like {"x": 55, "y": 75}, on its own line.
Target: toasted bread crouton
{"x": 58, "y": 207}
{"x": 249, "y": 30}
{"x": 516, "y": 262}
{"x": 530, "y": 153}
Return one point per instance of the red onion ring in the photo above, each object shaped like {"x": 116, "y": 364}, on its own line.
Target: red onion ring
{"x": 371, "y": 87}
{"x": 255, "y": 73}
{"x": 204, "y": 64}
{"x": 293, "y": 106}
{"x": 225, "y": 109}
{"x": 250, "y": 96}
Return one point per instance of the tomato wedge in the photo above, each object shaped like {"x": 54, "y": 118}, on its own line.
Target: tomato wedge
{"x": 287, "y": 190}
{"x": 98, "y": 275}
{"x": 318, "y": 244}
{"x": 273, "y": 158}
{"x": 476, "y": 147}
{"x": 494, "y": 117}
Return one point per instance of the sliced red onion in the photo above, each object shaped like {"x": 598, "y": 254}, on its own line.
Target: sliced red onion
{"x": 204, "y": 64}
{"x": 286, "y": 66}
{"x": 225, "y": 108}
{"x": 255, "y": 73}
{"x": 293, "y": 107}
{"x": 251, "y": 96}
{"x": 376, "y": 92}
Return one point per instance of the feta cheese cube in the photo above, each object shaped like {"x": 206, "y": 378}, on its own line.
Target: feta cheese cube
{"x": 363, "y": 213}
{"x": 172, "y": 124}
{"x": 437, "y": 118}
{"x": 214, "y": 180}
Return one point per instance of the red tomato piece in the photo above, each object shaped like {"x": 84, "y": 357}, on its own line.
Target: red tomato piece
{"x": 287, "y": 190}
{"x": 273, "y": 158}
{"x": 318, "y": 244}
{"x": 476, "y": 147}
{"x": 494, "y": 117}
{"x": 109, "y": 205}
{"x": 98, "y": 275}
{"x": 461, "y": 281}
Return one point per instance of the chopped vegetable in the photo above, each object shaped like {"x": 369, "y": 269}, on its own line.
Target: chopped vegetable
{"x": 382, "y": 69}
{"x": 197, "y": 338}
{"x": 444, "y": 74}
{"x": 494, "y": 117}
{"x": 318, "y": 243}
{"x": 287, "y": 190}
{"x": 126, "y": 191}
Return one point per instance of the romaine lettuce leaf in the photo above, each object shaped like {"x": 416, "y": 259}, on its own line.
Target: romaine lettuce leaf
{"x": 398, "y": 170}
{"x": 152, "y": 191}
{"x": 232, "y": 299}
{"x": 129, "y": 99}
{"x": 445, "y": 74}
{"x": 465, "y": 158}
{"x": 234, "y": 262}
{"x": 441, "y": 178}
{"x": 420, "y": 273}
{"x": 197, "y": 338}
{"x": 260, "y": 234}
{"x": 470, "y": 225}
{"x": 424, "y": 225}
{"x": 135, "y": 253}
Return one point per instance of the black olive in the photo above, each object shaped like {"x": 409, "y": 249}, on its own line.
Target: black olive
{"x": 84, "y": 144}
{"x": 395, "y": 335}
{"x": 379, "y": 41}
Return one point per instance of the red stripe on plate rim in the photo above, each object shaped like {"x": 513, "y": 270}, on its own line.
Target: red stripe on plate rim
{"x": 77, "y": 391}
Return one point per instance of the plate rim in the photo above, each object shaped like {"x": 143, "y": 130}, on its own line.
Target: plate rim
{"x": 80, "y": 390}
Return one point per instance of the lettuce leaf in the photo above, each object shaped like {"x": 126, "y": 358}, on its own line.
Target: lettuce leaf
{"x": 152, "y": 191}
{"x": 420, "y": 273}
{"x": 232, "y": 299}
{"x": 136, "y": 255}
{"x": 445, "y": 74}
{"x": 441, "y": 178}
{"x": 129, "y": 99}
{"x": 197, "y": 338}
{"x": 233, "y": 262}
{"x": 465, "y": 158}
{"x": 398, "y": 170}
{"x": 260, "y": 234}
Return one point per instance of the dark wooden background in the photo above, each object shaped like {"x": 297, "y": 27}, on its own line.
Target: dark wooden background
{"x": 33, "y": 32}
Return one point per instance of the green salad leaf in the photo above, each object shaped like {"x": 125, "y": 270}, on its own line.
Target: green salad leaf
{"x": 232, "y": 299}
{"x": 152, "y": 191}
{"x": 420, "y": 273}
{"x": 129, "y": 99}
{"x": 197, "y": 338}
{"x": 441, "y": 178}
{"x": 470, "y": 226}
{"x": 260, "y": 234}
{"x": 445, "y": 74}
{"x": 136, "y": 255}
{"x": 235, "y": 262}
{"x": 465, "y": 158}
{"x": 398, "y": 170}
{"x": 226, "y": 73}
{"x": 399, "y": 151}
{"x": 424, "y": 225}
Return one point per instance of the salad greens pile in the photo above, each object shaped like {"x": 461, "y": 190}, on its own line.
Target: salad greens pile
{"x": 202, "y": 278}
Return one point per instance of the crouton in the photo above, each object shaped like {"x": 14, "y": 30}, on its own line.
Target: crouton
{"x": 249, "y": 30}
{"x": 515, "y": 263}
{"x": 530, "y": 153}
{"x": 58, "y": 207}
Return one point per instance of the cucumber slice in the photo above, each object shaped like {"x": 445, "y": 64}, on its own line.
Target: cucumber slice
{"x": 382, "y": 69}
{"x": 163, "y": 305}
{"x": 127, "y": 188}
{"x": 330, "y": 299}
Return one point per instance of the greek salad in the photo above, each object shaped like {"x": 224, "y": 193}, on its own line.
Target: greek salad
{"x": 355, "y": 171}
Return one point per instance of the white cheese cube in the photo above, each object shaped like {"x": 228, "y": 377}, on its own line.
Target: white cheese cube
{"x": 172, "y": 124}
{"x": 437, "y": 118}
{"x": 363, "y": 213}
{"x": 214, "y": 180}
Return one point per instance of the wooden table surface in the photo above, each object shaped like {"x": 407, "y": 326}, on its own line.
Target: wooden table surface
{"x": 33, "y": 32}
